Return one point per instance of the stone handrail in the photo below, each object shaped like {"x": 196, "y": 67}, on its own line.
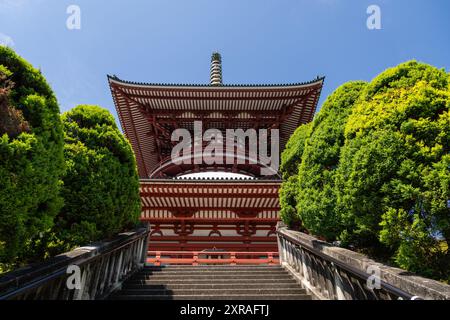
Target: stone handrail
{"x": 330, "y": 272}
{"x": 85, "y": 273}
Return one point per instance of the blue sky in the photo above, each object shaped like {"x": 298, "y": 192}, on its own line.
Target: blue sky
{"x": 276, "y": 41}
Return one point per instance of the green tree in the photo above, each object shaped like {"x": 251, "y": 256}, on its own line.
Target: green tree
{"x": 31, "y": 158}
{"x": 316, "y": 199}
{"x": 101, "y": 186}
{"x": 290, "y": 159}
{"x": 288, "y": 195}
{"x": 292, "y": 153}
{"x": 394, "y": 173}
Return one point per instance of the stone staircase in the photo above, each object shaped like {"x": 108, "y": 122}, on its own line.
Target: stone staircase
{"x": 211, "y": 282}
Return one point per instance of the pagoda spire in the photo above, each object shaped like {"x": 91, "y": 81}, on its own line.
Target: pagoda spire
{"x": 216, "y": 69}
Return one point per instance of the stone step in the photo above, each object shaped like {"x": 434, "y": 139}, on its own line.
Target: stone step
{"x": 219, "y": 282}
{"x": 200, "y": 276}
{"x": 225, "y": 267}
{"x": 213, "y": 297}
{"x": 197, "y": 285}
{"x": 171, "y": 281}
{"x": 212, "y": 292}
{"x": 200, "y": 269}
{"x": 187, "y": 273}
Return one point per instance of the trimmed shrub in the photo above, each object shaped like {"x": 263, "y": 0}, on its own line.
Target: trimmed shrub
{"x": 101, "y": 186}
{"x": 288, "y": 195}
{"x": 292, "y": 153}
{"x": 316, "y": 199}
{"x": 31, "y": 158}
{"x": 394, "y": 171}
{"x": 290, "y": 159}
{"x": 374, "y": 170}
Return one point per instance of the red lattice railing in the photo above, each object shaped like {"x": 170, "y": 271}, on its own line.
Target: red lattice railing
{"x": 194, "y": 258}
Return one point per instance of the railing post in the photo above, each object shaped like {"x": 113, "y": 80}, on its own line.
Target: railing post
{"x": 158, "y": 258}
{"x": 297, "y": 260}
{"x": 118, "y": 267}
{"x": 306, "y": 267}
{"x": 289, "y": 253}
{"x": 79, "y": 293}
{"x": 144, "y": 253}
{"x": 281, "y": 244}
{"x": 270, "y": 256}
{"x": 338, "y": 285}
{"x": 195, "y": 259}
{"x": 280, "y": 249}
{"x": 233, "y": 258}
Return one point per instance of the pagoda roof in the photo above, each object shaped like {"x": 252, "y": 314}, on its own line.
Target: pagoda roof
{"x": 207, "y": 85}
{"x": 162, "y": 198}
{"x": 149, "y": 112}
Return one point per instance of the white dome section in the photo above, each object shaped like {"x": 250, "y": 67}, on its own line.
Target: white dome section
{"x": 215, "y": 175}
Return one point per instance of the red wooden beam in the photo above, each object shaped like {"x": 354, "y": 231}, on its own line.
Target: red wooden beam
{"x": 212, "y": 239}
{"x": 212, "y": 220}
{"x": 199, "y": 208}
{"x": 175, "y": 246}
{"x": 169, "y": 194}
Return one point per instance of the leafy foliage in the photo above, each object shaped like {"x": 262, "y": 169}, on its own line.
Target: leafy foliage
{"x": 101, "y": 186}
{"x": 374, "y": 172}
{"x": 395, "y": 172}
{"x": 11, "y": 119}
{"x": 31, "y": 158}
{"x": 292, "y": 153}
{"x": 288, "y": 195}
{"x": 290, "y": 159}
{"x": 316, "y": 199}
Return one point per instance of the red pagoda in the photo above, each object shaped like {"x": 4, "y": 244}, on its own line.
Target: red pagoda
{"x": 197, "y": 216}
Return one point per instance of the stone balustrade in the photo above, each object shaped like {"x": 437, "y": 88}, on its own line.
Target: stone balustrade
{"x": 86, "y": 273}
{"x": 335, "y": 273}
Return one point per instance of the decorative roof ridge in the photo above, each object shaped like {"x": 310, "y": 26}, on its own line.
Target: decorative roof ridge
{"x": 201, "y": 85}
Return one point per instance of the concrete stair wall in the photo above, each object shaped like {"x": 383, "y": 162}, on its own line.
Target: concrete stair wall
{"x": 213, "y": 282}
